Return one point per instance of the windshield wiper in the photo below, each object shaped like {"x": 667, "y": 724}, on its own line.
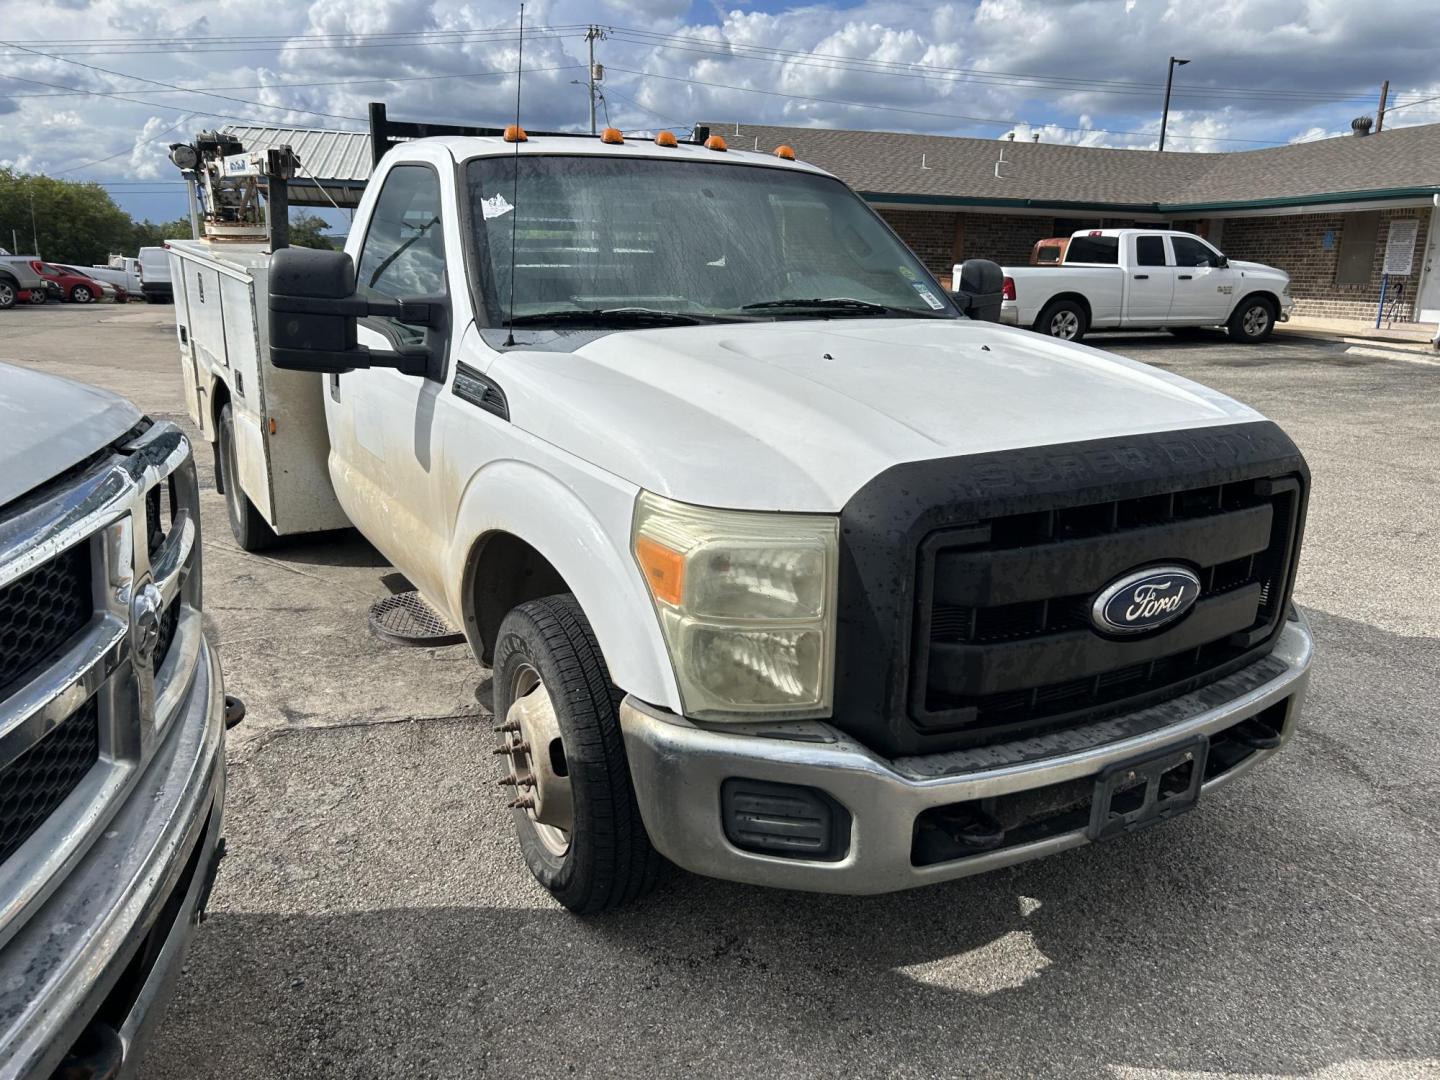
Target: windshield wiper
{"x": 838, "y": 304}
{"x": 633, "y": 316}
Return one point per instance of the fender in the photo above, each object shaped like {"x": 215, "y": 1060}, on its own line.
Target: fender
{"x": 590, "y": 548}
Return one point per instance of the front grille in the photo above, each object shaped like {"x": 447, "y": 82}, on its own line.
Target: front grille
{"x": 41, "y": 611}
{"x": 39, "y": 780}
{"x": 1005, "y": 643}
{"x": 965, "y": 582}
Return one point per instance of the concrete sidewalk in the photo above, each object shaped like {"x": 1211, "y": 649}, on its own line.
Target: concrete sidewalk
{"x": 1360, "y": 331}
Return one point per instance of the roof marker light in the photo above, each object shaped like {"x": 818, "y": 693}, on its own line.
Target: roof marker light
{"x": 785, "y": 152}
{"x": 515, "y": 133}
{"x": 715, "y": 142}
{"x": 666, "y": 138}
{"x": 612, "y": 135}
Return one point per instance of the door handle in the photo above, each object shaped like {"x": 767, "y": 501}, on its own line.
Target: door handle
{"x": 1186, "y": 277}
{"x": 1142, "y": 277}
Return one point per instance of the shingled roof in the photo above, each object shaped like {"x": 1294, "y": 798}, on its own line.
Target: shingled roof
{"x": 897, "y": 167}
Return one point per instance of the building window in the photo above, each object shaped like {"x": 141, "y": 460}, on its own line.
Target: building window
{"x": 1357, "y": 248}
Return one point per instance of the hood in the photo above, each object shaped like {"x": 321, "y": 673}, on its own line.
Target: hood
{"x": 798, "y": 415}
{"x": 1257, "y": 268}
{"x": 49, "y": 424}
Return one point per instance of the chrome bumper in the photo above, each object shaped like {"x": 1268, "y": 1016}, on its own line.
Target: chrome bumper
{"x": 141, "y": 883}
{"x": 1010, "y": 313}
{"x": 678, "y": 769}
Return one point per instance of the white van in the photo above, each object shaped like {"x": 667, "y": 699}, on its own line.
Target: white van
{"x": 155, "y": 276}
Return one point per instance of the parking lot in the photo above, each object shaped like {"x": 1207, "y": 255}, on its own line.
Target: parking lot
{"x": 374, "y": 917}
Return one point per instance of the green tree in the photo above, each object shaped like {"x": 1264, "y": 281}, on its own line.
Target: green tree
{"x": 72, "y": 222}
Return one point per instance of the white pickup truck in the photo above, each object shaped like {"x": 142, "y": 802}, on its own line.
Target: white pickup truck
{"x": 786, "y": 570}
{"x": 1145, "y": 279}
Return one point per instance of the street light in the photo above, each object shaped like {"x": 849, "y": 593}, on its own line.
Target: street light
{"x": 1169, "y": 79}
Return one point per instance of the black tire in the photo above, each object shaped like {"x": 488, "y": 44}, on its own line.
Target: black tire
{"x": 8, "y": 294}
{"x": 1063, "y": 319}
{"x": 252, "y": 532}
{"x": 1252, "y": 321}
{"x": 81, "y": 294}
{"x": 609, "y": 861}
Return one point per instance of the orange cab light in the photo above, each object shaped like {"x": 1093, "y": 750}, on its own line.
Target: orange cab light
{"x": 666, "y": 138}
{"x": 515, "y": 133}
{"x": 612, "y": 135}
{"x": 664, "y": 570}
{"x": 715, "y": 142}
{"x": 786, "y": 152}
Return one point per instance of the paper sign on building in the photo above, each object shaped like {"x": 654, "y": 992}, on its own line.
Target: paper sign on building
{"x": 1400, "y": 246}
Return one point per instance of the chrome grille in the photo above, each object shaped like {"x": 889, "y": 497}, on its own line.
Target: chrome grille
{"x": 41, "y": 611}
{"x": 39, "y": 780}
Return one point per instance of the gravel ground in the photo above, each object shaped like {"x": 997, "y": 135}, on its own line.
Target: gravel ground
{"x": 374, "y": 918}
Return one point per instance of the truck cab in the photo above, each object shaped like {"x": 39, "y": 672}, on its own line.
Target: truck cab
{"x": 1143, "y": 279}
{"x": 785, "y": 569}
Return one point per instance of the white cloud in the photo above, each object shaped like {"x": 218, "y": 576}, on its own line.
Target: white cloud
{"x": 1103, "y": 45}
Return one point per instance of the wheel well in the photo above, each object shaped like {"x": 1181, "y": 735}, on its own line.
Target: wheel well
{"x": 220, "y": 397}
{"x": 1261, "y": 294}
{"x": 1075, "y": 298}
{"x": 503, "y": 571}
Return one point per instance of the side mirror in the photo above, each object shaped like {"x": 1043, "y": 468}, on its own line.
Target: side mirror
{"x": 981, "y": 283}
{"x": 1221, "y": 262}
{"x": 314, "y": 309}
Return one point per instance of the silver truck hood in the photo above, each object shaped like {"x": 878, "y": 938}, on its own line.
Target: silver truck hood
{"x": 48, "y": 424}
{"x": 799, "y": 415}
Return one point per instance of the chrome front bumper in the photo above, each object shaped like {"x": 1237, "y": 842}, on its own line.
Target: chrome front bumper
{"x": 137, "y": 892}
{"x": 678, "y": 769}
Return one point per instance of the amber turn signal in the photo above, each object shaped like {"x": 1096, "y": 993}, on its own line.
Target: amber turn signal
{"x": 715, "y": 142}
{"x": 786, "y": 152}
{"x": 664, "y": 570}
{"x": 515, "y": 133}
{"x": 666, "y": 138}
{"x": 612, "y": 135}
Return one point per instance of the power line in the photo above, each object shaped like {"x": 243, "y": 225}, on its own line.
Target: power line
{"x": 206, "y": 93}
{"x": 924, "y": 112}
{"x": 328, "y": 82}
{"x": 130, "y": 150}
{"x": 832, "y": 60}
{"x": 282, "y": 44}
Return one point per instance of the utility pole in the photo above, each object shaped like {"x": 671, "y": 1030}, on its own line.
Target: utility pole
{"x": 1169, "y": 81}
{"x": 1380, "y": 112}
{"x": 34, "y": 235}
{"x": 597, "y": 71}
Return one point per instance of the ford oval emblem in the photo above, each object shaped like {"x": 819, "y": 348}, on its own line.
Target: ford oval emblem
{"x": 1145, "y": 600}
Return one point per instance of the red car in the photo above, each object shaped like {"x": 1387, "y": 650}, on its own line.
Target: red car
{"x": 74, "y": 287}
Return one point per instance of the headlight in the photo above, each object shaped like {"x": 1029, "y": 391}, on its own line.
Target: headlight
{"x": 747, "y": 606}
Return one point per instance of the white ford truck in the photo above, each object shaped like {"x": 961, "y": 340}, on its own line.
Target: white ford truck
{"x": 786, "y": 570}
{"x": 1126, "y": 279}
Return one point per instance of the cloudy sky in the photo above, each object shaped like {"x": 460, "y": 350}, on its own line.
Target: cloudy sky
{"x": 96, "y": 89}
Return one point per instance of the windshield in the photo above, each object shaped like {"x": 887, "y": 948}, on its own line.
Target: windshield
{"x": 669, "y": 242}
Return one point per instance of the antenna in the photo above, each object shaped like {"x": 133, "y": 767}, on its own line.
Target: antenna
{"x": 515, "y": 182}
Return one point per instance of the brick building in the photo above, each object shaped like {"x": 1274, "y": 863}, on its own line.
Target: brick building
{"x": 1320, "y": 210}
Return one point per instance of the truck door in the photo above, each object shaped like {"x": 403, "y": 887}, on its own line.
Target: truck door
{"x": 1151, "y": 284}
{"x": 1204, "y": 291}
{"x": 392, "y": 441}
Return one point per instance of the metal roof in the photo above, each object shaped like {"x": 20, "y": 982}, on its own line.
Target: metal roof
{"x": 338, "y": 160}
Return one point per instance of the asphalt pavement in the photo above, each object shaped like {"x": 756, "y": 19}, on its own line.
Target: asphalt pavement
{"x": 374, "y": 917}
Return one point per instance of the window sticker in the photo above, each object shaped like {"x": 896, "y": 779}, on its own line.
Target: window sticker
{"x": 928, "y": 296}
{"x": 495, "y": 206}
